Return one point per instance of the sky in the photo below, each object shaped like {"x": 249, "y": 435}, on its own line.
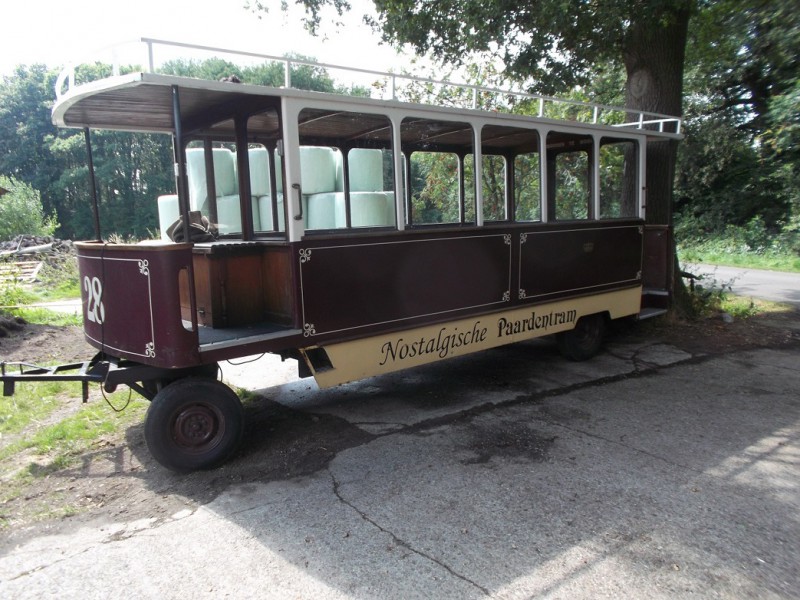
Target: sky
{"x": 56, "y": 32}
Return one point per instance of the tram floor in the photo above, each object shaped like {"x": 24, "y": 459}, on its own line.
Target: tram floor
{"x": 211, "y": 335}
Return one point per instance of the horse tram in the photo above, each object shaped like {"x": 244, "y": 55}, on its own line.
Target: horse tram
{"x": 357, "y": 235}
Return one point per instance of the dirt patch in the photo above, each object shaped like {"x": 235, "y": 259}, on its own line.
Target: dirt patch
{"x": 45, "y": 344}
{"x": 117, "y": 479}
{"x": 715, "y": 336}
{"x": 509, "y": 440}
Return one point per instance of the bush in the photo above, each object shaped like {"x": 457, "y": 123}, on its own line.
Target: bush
{"x": 21, "y": 211}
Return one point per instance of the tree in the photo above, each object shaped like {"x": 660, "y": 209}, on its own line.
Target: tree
{"x": 304, "y": 77}
{"x": 26, "y": 98}
{"x": 21, "y": 211}
{"x": 739, "y": 161}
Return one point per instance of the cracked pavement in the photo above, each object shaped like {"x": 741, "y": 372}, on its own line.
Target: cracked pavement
{"x": 646, "y": 472}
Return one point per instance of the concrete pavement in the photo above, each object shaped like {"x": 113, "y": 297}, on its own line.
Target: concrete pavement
{"x": 645, "y": 473}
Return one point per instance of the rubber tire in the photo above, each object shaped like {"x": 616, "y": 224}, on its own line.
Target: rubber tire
{"x": 585, "y": 340}
{"x": 193, "y": 424}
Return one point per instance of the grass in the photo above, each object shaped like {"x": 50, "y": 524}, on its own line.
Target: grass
{"x": 44, "y": 316}
{"x": 44, "y": 428}
{"x": 742, "y": 308}
{"x": 72, "y": 435}
{"x": 64, "y": 439}
{"x": 749, "y": 260}
{"x": 57, "y": 280}
{"x": 29, "y": 404}
{"x": 708, "y": 297}
{"x": 751, "y": 246}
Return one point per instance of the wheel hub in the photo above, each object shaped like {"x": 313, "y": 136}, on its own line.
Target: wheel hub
{"x": 196, "y": 427}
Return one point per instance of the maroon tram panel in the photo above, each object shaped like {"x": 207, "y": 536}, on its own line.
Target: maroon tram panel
{"x": 131, "y": 302}
{"x": 579, "y": 259}
{"x": 382, "y": 283}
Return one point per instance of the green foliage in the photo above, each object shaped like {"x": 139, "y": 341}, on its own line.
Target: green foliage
{"x": 21, "y": 211}
{"x": 434, "y": 188}
{"x": 709, "y": 297}
{"x": 17, "y": 301}
{"x": 13, "y": 294}
{"x": 572, "y": 185}
{"x": 271, "y": 74}
{"x": 59, "y": 278}
{"x": 555, "y": 43}
{"x": 738, "y": 167}
{"x": 56, "y": 281}
{"x": 751, "y": 245}
{"x": 26, "y": 98}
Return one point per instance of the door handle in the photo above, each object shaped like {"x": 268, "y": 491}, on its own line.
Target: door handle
{"x": 299, "y": 216}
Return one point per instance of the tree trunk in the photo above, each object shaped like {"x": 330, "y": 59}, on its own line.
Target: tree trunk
{"x": 654, "y": 54}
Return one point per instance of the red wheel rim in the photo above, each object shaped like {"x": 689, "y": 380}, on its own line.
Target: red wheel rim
{"x": 198, "y": 428}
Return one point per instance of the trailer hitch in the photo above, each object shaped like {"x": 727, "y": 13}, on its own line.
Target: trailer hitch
{"x": 86, "y": 372}
{"x": 106, "y": 370}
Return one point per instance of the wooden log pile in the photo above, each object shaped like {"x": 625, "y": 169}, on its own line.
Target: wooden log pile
{"x": 23, "y": 257}
{"x": 35, "y": 244}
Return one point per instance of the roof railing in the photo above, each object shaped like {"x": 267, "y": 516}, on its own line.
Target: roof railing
{"x": 401, "y": 86}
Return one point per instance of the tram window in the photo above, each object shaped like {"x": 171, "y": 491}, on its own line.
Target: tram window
{"x": 365, "y": 198}
{"x": 618, "y": 178}
{"x": 435, "y": 194}
{"x": 494, "y": 188}
{"x": 499, "y": 141}
{"x": 215, "y": 196}
{"x": 572, "y": 186}
{"x": 441, "y": 189}
{"x": 370, "y": 180}
{"x": 527, "y": 187}
{"x": 569, "y": 165}
{"x": 468, "y": 176}
{"x": 268, "y": 205}
{"x": 323, "y": 200}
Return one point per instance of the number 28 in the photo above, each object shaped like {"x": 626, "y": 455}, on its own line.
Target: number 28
{"x": 95, "y": 311}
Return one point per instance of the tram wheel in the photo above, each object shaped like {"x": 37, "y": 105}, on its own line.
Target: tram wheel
{"x": 193, "y": 424}
{"x": 585, "y": 340}
{"x": 153, "y": 386}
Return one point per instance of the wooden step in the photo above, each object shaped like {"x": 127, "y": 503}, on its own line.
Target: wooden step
{"x": 648, "y": 313}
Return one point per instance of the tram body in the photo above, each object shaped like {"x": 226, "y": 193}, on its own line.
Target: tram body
{"x": 332, "y": 250}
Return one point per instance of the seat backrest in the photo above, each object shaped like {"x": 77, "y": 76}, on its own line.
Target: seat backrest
{"x": 318, "y": 169}
{"x": 365, "y": 170}
{"x": 259, "y": 171}
{"x": 225, "y": 172}
{"x": 224, "y": 175}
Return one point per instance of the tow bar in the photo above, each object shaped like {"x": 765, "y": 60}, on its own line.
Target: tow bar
{"x": 108, "y": 371}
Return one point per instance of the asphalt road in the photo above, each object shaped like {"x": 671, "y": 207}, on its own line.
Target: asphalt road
{"x": 645, "y": 473}
{"x": 755, "y": 283}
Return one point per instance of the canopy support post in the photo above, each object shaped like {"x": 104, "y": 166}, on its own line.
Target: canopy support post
{"x": 92, "y": 185}
{"x": 180, "y": 171}
{"x": 183, "y": 192}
